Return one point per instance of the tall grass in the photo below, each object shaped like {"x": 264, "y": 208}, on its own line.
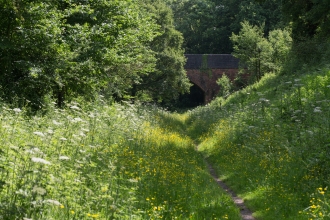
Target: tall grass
{"x": 270, "y": 142}
{"x": 99, "y": 161}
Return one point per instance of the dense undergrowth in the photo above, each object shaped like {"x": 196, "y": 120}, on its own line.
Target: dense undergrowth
{"x": 271, "y": 143}
{"x": 99, "y": 161}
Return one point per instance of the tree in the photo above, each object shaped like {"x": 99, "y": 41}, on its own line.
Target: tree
{"x": 281, "y": 43}
{"x": 252, "y": 49}
{"x": 310, "y": 23}
{"x": 226, "y": 86}
{"x": 169, "y": 78}
{"x": 308, "y": 17}
{"x": 208, "y": 24}
{"x": 259, "y": 54}
{"x": 70, "y": 48}
{"x": 30, "y": 32}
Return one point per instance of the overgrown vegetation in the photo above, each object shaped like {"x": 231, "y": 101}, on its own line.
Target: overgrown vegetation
{"x": 270, "y": 142}
{"x": 62, "y": 48}
{"x": 72, "y": 159}
{"x": 96, "y": 161}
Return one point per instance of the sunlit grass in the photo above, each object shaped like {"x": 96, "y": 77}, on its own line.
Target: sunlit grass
{"x": 104, "y": 162}
{"x": 270, "y": 143}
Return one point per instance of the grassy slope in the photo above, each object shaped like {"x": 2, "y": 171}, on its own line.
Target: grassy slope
{"x": 271, "y": 143}
{"x": 104, "y": 162}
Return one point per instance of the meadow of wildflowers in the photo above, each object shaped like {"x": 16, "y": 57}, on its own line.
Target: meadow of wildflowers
{"x": 99, "y": 161}
{"x": 270, "y": 143}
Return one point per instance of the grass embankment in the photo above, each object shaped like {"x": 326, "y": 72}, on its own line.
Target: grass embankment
{"x": 271, "y": 143}
{"x": 104, "y": 162}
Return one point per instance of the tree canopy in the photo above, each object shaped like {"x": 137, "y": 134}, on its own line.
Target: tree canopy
{"x": 67, "y": 48}
{"x": 208, "y": 24}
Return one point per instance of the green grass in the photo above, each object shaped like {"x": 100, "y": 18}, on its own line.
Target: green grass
{"x": 270, "y": 142}
{"x": 95, "y": 161}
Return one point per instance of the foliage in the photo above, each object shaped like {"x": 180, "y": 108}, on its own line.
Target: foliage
{"x": 270, "y": 143}
{"x": 309, "y": 18}
{"x": 252, "y": 49}
{"x": 168, "y": 79}
{"x": 225, "y": 85}
{"x": 95, "y": 161}
{"x": 70, "y": 48}
{"x": 258, "y": 54}
{"x": 310, "y": 24}
{"x": 319, "y": 205}
{"x": 207, "y": 24}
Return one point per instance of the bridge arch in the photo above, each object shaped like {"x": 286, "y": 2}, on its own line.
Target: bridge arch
{"x": 203, "y": 70}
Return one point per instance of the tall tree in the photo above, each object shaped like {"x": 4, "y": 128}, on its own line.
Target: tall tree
{"x": 72, "y": 48}
{"x": 259, "y": 54}
{"x": 169, "y": 78}
{"x": 29, "y": 33}
{"x": 310, "y": 23}
{"x": 208, "y": 24}
{"x": 308, "y": 17}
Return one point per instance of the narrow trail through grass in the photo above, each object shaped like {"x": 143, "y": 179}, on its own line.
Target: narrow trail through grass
{"x": 179, "y": 123}
{"x": 268, "y": 142}
{"x": 245, "y": 212}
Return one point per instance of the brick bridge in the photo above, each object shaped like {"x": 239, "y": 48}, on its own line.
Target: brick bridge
{"x": 203, "y": 70}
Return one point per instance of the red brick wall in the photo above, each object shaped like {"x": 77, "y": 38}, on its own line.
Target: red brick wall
{"x": 206, "y": 80}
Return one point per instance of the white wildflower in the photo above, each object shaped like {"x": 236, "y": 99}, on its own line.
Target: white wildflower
{"x": 22, "y": 192}
{"x": 63, "y": 139}
{"x": 317, "y": 109}
{"x": 56, "y": 123}
{"x": 39, "y": 190}
{"x": 40, "y": 160}
{"x": 133, "y": 180}
{"x": 17, "y": 110}
{"x": 34, "y": 150}
{"x": 52, "y": 201}
{"x": 77, "y": 120}
{"x": 39, "y": 133}
{"x": 75, "y": 107}
{"x": 64, "y": 158}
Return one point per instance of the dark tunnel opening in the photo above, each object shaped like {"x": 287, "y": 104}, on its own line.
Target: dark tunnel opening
{"x": 193, "y": 99}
